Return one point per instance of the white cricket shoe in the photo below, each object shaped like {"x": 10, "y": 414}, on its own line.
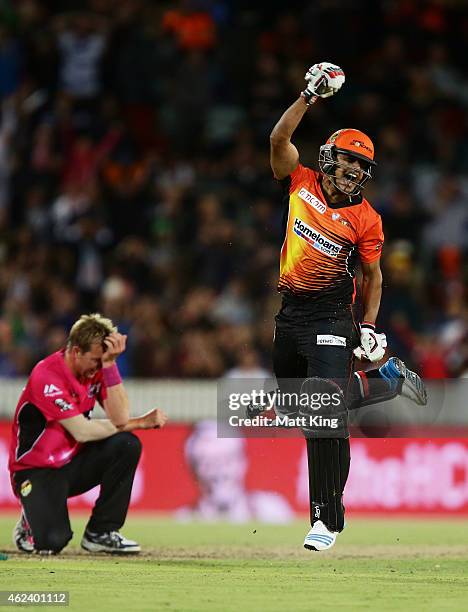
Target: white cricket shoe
{"x": 111, "y": 542}
{"x": 404, "y": 381}
{"x": 319, "y": 537}
{"x": 22, "y": 536}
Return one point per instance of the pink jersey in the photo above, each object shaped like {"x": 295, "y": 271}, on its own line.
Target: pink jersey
{"x": 52, "y": 394}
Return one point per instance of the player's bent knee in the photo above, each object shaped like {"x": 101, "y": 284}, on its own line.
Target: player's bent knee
{"x": 324, "y": 414}
{"x": 54, "y": 540}
{"x": 127, "y": 443}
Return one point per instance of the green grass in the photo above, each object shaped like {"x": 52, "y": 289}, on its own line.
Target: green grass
{"x": 376, "y": 565}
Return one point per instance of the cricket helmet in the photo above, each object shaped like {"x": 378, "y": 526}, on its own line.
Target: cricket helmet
{"x": 350, "y": 142}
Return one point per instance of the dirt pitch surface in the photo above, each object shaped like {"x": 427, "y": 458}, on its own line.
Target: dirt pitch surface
{"x": 179, "y": 553}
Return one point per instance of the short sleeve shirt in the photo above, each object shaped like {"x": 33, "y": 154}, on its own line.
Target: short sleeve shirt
{"x": 322, "y": 244}
{"x": 52, "y": 394}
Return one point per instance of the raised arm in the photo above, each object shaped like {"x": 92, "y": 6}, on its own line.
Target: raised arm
{"x": 116, "y": 403}
{"x": 323, "y": 80}
{"x": 284, "y": 157}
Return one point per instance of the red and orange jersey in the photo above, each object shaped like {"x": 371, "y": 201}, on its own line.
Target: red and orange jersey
{"x": 322, "y": 243}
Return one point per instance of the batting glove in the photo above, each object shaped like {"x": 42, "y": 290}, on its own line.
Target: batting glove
{"x": 323, "y": 80}
{"x": 373, "y": 345}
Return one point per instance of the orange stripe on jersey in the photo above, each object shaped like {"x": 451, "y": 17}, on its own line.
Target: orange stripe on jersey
{"x": 322, "y": 244}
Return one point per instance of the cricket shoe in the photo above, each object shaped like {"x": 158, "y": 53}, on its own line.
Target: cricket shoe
{"x": 396, "y": 373}
{"x": 319, "y": 537}
{"x": 22, "y": 536}
{"x": 110, "y": 542}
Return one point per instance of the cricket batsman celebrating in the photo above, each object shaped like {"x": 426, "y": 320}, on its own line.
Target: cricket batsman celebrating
{"x": 329, "y": 226}
{"x": 57, "y": 452}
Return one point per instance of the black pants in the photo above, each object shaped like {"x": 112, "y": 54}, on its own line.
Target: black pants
{"x": 110, "y": 463}
{"x": 296, "y": 354}
{"x": 299, "y": 354}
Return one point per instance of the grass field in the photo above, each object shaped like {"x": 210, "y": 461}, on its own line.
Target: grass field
{"x": 376, "y": 565}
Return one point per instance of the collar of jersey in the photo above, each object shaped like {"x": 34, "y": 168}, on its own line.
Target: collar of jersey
{"x": 345, "y": 203}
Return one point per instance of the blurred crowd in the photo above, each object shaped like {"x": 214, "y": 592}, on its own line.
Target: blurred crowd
{"x": 135, "y": 179}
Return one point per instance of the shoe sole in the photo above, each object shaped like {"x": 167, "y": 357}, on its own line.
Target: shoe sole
{"x": 26, "y": 551}
{"x": 310, "y": 546}
{"x": 98, "y": 548}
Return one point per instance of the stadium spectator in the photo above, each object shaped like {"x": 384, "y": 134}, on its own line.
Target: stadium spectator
{"x": 81, "y": 40}
{"x": 150, "y": 140}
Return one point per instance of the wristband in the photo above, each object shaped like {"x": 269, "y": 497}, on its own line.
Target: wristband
{"x": 309, "y": 97}
{"x": 367, "y": 324}
{"x": 111, "y": 376}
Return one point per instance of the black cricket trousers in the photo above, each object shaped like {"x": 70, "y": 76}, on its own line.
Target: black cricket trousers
{"x": 298, "y": 353}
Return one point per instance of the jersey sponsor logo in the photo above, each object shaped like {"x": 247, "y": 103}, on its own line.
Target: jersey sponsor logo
{"x": 312, "y": 200}
{"x": 52, "y": 391}
{"x": 359, "y": 143}
{"x": 316, "y": 239}
{"x": 63, "y": 405}
{"x": 94, "y": 390}
{"x": 331, "y": 340}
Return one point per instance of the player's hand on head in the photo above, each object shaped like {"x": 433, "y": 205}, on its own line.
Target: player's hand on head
{"x": 114, "y": 345}
{"x": 373, "y": 345}
{"x": 323, "y": 80}
{"x": 154, "y": 419}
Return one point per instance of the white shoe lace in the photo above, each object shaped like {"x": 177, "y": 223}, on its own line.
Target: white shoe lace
{"x": 116, "y": 537}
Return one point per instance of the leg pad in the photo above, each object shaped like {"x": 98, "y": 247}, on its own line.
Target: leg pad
{"x": 323, "y": 412}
